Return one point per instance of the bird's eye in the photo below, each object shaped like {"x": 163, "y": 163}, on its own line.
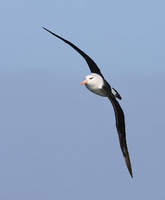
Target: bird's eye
{"x": 91, "y": 77}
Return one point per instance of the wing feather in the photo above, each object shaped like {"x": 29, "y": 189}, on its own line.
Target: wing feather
{"x": 92, "y": 65}
{"x": 120, "y": 125}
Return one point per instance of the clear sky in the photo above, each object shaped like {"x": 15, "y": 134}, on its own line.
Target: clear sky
{"x": 57, "y": 139}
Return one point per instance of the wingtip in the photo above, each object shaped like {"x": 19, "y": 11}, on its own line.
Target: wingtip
{"x": 128, "y": 163}
{"x": 131, "y": 174}
{"x": 130, "y": 171}
{"x": 44, "y": 27}
{"x": 49, "y": 31}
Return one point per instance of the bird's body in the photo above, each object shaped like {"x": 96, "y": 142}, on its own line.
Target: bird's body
{"x": 96, "y": 83}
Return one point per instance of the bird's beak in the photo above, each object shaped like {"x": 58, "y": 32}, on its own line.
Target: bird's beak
{"x": 84, "y": 82}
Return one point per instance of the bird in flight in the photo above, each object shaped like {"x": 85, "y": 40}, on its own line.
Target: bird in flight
{"x": 96, "y": 83}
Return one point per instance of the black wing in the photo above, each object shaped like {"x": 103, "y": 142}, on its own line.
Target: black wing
{"x": 120, "y": 125}
{"x": 92, "y": 65}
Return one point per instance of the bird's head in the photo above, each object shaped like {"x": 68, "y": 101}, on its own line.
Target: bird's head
{"x": 92, "y": 80}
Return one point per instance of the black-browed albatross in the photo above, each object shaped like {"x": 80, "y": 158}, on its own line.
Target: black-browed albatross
{"x": 96, "y": 83}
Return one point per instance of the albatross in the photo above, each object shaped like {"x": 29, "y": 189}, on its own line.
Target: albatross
{"x": 97, "y": 84}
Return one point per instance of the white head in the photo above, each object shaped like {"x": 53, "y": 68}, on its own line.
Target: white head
{"x": 93, "y": 80}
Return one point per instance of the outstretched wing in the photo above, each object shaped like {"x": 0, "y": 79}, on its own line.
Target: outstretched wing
{"x": 120, "y": 125}
{"x": 92, "y": 65}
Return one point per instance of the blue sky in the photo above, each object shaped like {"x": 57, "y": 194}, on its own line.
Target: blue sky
{"x": 58, "y": 140}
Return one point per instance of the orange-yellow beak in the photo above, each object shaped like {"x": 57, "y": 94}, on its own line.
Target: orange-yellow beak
{"x": 85, "y": 81}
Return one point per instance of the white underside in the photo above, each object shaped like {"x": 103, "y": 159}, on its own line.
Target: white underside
{"x": 97, "y": 91}
{"x": 113, "y": 91}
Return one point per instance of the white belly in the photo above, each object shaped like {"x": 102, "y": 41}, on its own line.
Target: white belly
{"x": 96, "y": 90}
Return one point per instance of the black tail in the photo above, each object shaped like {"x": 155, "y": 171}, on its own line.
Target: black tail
{"x": 116, "y": 94}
